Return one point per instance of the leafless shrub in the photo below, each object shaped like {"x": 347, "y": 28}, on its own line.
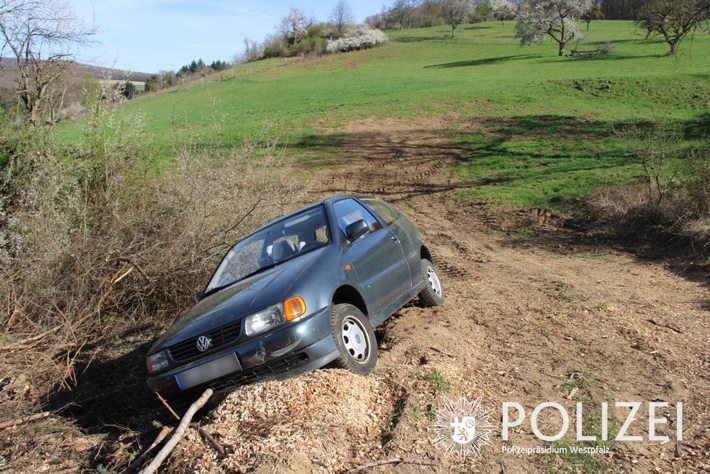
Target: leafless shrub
{"x": 96, "y": 238}
{"x": 657, "y": 149}
{"x": 672, "y": 194}
{"x": 630, "y": 207}
{"x": 697, "y": 172}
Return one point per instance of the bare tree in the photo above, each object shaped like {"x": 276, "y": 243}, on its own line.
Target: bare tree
{"x": 594, "y": 12}
{"x": 341, "y": 17}
{"x": 556, "y": 19}
{"x": 455, "y": 12}
{"x": 40, "y": 35}
{"x": 673, "y": 20}
{"x": 251, "y": 50}
{"x": 402, "y": 12}
{"x": 295, "y": 26}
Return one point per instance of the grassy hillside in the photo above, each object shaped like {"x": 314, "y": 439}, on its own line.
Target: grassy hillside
{"x": 537, "y": 129}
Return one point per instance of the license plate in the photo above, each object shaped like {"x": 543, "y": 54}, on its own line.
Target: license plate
{"x": 206, "y": 372}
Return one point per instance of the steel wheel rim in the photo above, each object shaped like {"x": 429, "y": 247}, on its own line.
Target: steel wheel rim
{"x": 355, "y": 339}
{"x": 434, "y": 281}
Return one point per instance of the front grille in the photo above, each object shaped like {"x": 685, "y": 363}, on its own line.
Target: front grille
{"x": 188, "y": 349}
{"x": 271, "y": 368}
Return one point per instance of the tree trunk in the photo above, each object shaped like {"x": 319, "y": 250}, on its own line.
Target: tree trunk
{"x": 563, "y": 44}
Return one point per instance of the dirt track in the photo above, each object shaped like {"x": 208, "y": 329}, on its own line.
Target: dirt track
{"x": 529, "y": 320}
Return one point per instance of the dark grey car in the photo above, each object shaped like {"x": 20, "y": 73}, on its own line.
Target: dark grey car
{"x": 299, "y": 293}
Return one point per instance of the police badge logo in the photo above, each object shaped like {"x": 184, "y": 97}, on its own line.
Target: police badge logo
{"x": 462, "y": 427}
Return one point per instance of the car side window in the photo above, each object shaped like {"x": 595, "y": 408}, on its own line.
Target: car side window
{"x": 386, "y": 212}
{"x": 348, "y": 211}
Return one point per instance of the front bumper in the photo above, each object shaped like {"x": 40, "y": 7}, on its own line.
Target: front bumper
{"x": 287, "y": 351}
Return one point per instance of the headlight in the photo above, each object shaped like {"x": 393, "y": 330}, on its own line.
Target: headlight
{"x": 289, "y": 310}
{"x": 156, "y": 362}
{"x": 263, "y": 320}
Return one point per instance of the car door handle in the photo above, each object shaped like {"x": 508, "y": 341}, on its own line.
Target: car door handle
{"x": 394, "y": 240}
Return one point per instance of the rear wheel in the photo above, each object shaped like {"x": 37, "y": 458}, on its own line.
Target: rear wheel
{"x": 433, "y": 292}
{"x": 354, "y": 338}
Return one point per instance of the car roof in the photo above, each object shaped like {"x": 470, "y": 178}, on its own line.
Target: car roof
{"x": 329, "y": 200}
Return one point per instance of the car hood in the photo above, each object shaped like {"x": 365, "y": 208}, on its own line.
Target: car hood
{"x": 237, "y": 301}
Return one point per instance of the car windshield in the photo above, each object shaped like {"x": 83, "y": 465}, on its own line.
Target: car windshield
{"x": 275, "y": 243}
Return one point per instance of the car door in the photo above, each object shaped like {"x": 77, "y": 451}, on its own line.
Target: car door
{"x": 404, "y": 231}
{"x": 376, "y": 257}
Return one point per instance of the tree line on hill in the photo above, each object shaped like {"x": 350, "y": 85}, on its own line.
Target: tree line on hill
{"x": 298, "y": 34}
{"x": 424, "y": 13}
{"x": 671, "y": 20}
{"x": 31, "y": 29}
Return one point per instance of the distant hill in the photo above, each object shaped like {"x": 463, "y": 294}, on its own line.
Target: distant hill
{"x": 9, "y": 72}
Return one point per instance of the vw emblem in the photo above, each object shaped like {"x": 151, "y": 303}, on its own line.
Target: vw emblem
{"x": 203, "y": 343}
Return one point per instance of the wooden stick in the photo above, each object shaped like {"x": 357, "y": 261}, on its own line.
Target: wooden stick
{"x": 164, "y": 432}
{"x": 210, "y": 439}
{"x": 165, "y": 404}
{"x": 442, "y": 352}
{"x": 15, "y": 348}
{"x": 131, "y": 262}
{"x": 19, "y": 421}
{"x": 364, "y": 467}
{"x": 179, "y": 433}
{"x": 119, "y": 278}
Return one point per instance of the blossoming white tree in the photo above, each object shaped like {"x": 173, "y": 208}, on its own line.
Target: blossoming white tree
{"x": 504, "y": 10}
{"x": 556, "y": 19}
{"x": 359, "y": 38}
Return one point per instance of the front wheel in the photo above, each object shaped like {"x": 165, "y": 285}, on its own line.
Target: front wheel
{"x": 354, "y": 338}
{"x": 433, "y": 292}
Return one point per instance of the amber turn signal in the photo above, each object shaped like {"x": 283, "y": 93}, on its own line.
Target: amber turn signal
{"x": 294, "y": 308}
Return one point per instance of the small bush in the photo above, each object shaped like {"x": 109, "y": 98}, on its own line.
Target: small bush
{"x": 360, "y": 38}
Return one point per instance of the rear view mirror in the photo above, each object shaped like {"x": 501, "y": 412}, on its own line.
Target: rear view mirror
{"x": 356, "y": 230}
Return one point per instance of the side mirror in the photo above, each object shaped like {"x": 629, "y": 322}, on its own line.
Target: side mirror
{"x": 356, "y": 230}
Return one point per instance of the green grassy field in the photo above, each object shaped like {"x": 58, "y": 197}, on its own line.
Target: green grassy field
{"x": 544, "y": 131}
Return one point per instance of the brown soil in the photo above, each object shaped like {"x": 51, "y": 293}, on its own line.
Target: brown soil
{"x": 549, "y": 317}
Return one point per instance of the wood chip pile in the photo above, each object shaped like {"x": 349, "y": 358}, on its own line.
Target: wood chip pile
{"x": 325, "y": 416}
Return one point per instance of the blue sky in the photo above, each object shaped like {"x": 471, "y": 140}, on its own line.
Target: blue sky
{"x": 155, "y": 35}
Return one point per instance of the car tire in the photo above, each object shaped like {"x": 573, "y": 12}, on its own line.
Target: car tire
{"x": 354, "y": 338}
{"x": 433, "y": 292}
